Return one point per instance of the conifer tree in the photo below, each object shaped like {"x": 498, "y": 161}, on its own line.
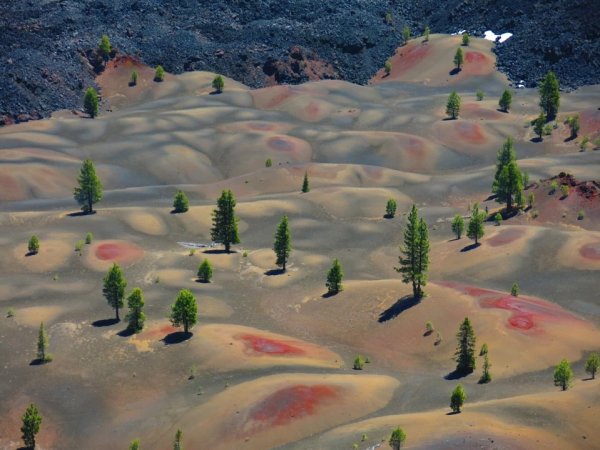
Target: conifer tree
{"x": 205, "y": 272}
{"x": 105, "y": 47}
{"x": 283, "y": 243}
{"x": 32, "y": 421}
{"x": 114, "y": 288}
{"x": 466, "y": 39}
{"x": 549, "y": 91}
{"x": 89, "y": 189}
{"x": 426, "y": 34}
{"x": 508, "y": 180}
{"x": 414, "y": 257}
{"x": 33, "y": 246}
{"x": 177, "y": 444}
{"x": 42, "y": 345}
{"x": 90, "y": 102}
{"x": 397, "y": 438}
{"x": 458, "y": 226}
{"x": 475, "y": 228}
{"x": 459, "y": 58}
{"x": 405, "y": 34}
{"x": 563, "y": 375}
{"x": 465, "y": 349}
{"x": 453, "y": 105}
{"x": 538, "y": 125}
{"x": 390, "y": 208}
{"x": 159, "y": 74}
{"x": 135, "y": 445}
{"x": 334, "y": 278}
{"x": 136, "y": 316}
{"x": 505, "y": 101}
{"x": 180, "y": 203}
{"x": 457, "y": 399}
{"x": 218, "y": 84}
{"x": 592, "y": 364}
{"x": 305, "y": 185}
{"x": 225, "y": 223}
{"x": 184, "y": 311}
{"x": 486, "y": 376}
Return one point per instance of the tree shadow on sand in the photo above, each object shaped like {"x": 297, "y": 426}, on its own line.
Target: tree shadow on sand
{"x": 177, "y": 337}
{"x": 218, "y": 251}
{"x": 401, "y": 305}
{"x": 454, "y": 71}
{"x": 126, "y": 333}
{"x": 456, "y": 375}
{"x": 38, "y": 362}
{"x": 470, "y": 247}
{"x": 81, "y": 213}
{"x": 452, "y": 413}
{"x": 104, "y": 322}
{"x": 274, "y": 272}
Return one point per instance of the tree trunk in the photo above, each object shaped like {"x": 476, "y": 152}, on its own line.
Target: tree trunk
{"x": 117, "y": 311}
{"x": 227, "y": 247}
{"x": 185, "y": 327}
{"x": 284, "y": 265}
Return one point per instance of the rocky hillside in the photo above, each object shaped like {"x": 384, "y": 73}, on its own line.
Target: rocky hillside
{"x": 47, "y": 59}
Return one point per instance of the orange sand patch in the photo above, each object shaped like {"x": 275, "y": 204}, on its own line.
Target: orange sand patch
{"x": 146, "y": 223}
{"x": 589, "y": 120}
{"x": 102, "y": 254}
{"x": 404, "y": 60}
{"x": 32, "y": 316}
{"x": 224, "y": 347}
{"x": 506, "y": 235}
{"x": 476, "y": 111}
{"x": 54, "y": 254}
{"x": 477, "y": 63}
{"x": 278, "y": 409}
{"x": 497, "y": 424}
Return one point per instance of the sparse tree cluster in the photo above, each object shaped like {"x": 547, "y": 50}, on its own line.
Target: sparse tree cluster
{"x": 475, "y": 229}
{"x": 508, "y": 182}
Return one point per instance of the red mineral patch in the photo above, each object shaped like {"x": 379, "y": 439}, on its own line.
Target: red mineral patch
{"x": 263, "y": 345}
{"x": 158, "y": 332}
{"x": 122, "y": 252}
{"x": 527, "y": 312}
{"x": 474, "y": 57}
{"x": 290, "y": 403}
{"x": 505, "y": 237}
{"x": 409, "y": 58}
{"x": 590, "y": 251}
{"x": 590, "y": 121}
{"x": 470, "y": 132}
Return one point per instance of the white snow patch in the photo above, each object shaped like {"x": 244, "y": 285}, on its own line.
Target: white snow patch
{"x": 490, "y": 36}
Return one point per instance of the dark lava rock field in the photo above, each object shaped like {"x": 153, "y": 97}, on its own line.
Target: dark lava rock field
{"x": 45, "y": 44}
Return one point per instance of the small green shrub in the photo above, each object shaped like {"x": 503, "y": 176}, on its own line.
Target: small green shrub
{"x": 34, "y": 245}
{"x": 514, "y": 290}
{"x": 547, "y": 130}
{"x": 498, "y": 219}
{"x": 10, "y": 312}
{"x": 584, "y": 143}
{"x": 466, "y": 39}
{"x": 429, "y": 328}
{"x": 530, "y": 199}
{"x": 133, "y": 79}
{"x": 193, "y": 372}
{"x": 192, "y": 251}
{"x": 387, "y": 67}
{"x": 535, "y": 213}
{"x": 245, "y": 254}
{"x": 564, "y": 189}
{"x": 205, "y": 272}
{"x": 581, "y": 214}
{"x": 79, "y": 246}
{"x": 484, "y": 350}
{"x": 159, "y": 74}
{"x": 359, "y": 363}
{"x": 89, "y": 238}
{"x": 268, "y": 163}
{"x": 553, "y": 187}
{"x": 438, "y": 339}
{"x": 479, "y": 94}
{"x": 218, "y": 84}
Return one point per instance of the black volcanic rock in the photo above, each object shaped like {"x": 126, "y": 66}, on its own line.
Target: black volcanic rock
{"x": 47, "y": 58}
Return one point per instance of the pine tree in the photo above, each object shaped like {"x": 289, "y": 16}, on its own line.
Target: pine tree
{"x": 89, "y": 190}
{"x": 592, "y": 364}
{"x": 90, "y": 102}
{"x": 397, "y": 438}
{"x": 218, "y": 84}
{"x": 136, "y": 316}
{"x": 184, "y": 311}
{"x": 133, "y": 79}
{"x": 457, "y": 399}
{"x": 205, "y": 272}
{"x": 225, "y": 223}
{"x": 114, "y": 288}
{"x": 390, "y": 208}
{"x": 459, "y": 58}
{"x": 458, "y": 226}
{"x": 32, "y": 421}
{"x": 334, "y": 278}
{"x": 33, "y": 246}
{"x": 549, "y": 91}
{"x": 283, "y": 243}
{"x": 465, "y": 350}
{"x": 573, "y": 123}
{"x": 563, "y": 375}
{"x": 180, "y": 203}
{"x": 105, "y": 47}
{"x": 135, "y": 445}
{"x": 509, "y": 185}
{"x": 538, "y": 125}
{"x": 305, "y": 185}
{"x": 486, "y": 376}
{"x": 505, "y": 101}
{"x": 453, "y": 105}
{"x": 475, "y": 229}
{"x": 42, "y": 345}
{"x": 426, "y": 34}
{"x": 387, "y": 67}
{"x": 466, "y": 39}
{"x": 177, "y": 444}
{"x": 414, "y": 257}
